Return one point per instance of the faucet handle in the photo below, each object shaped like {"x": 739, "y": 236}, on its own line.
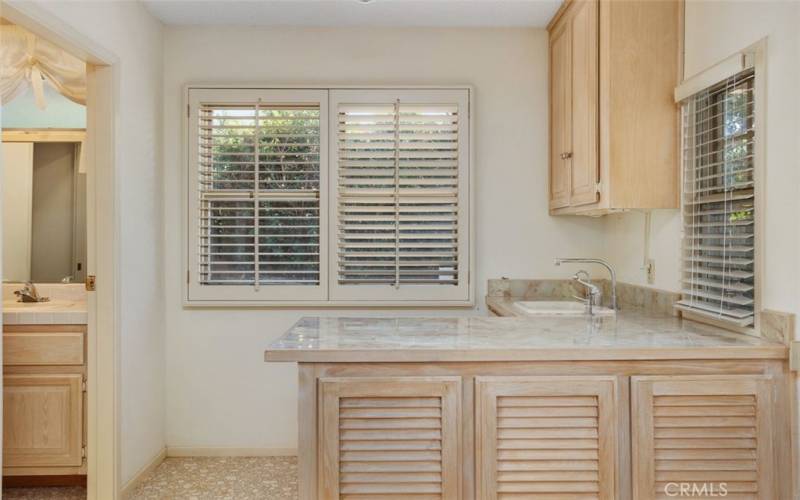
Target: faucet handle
{"x": 580, "y": 299}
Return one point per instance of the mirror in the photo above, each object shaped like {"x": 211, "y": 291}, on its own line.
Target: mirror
{"x": 44, "y": 212}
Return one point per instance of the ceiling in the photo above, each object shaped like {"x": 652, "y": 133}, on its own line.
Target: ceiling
{"x": 332, "y": 13}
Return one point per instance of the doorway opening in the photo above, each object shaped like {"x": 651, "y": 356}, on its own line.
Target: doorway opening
{"x": 60, "y": 335}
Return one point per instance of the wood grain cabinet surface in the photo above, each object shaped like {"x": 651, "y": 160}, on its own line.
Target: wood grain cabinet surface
{"x": 43, "y": 348}
{"x": 546, "y": 437}
{"x": 711, "y": 433}
{"x": 42, "y": 420}
{"x": 600, "y": 430}
{"x": 613, "y": 120}
{"x": 390, "y": 438}
{"x": 560, "y": 114}
{"x": 44, "y": 403}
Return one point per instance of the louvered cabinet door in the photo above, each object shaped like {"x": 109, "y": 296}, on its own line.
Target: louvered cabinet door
{"x": 703, "y": 434}
{"x": 389, "y": 438}
{"x": 546, "y": 438}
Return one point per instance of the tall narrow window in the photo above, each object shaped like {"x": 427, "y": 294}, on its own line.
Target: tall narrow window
{"x": 719, "y": 201}
{"x": 258, "y": 196}
{"x": 401, "y": 184}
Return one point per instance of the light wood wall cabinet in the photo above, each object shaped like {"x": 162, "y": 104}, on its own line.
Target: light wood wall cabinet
{"x": 588, "y": 429}
{"x": 44, "y": 370}
{"x": 613, "y": 120}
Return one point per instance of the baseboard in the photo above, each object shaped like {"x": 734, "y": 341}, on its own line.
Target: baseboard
{"x": 142, "y": 474}
{"x": 192, "y": 451}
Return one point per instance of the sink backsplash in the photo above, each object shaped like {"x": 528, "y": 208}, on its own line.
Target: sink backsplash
{"x": 629, "y": 296}
{"x": 75, "y": 292}
{"x": 534, "y": 289}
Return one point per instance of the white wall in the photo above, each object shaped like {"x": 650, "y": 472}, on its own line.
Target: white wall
{"x": 220, "y": 393}
{"x": 128, "y": 31}
{"x": 625, "y": 247}
{"x": 715, "y": 30}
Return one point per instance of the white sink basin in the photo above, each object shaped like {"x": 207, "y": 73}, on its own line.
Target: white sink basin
{"x": 558, "y": 308}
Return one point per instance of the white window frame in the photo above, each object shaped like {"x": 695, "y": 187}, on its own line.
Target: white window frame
{"x": 228, "y": 293}
{"x": 327, "y": 295}
{"x": 753, "y": 56}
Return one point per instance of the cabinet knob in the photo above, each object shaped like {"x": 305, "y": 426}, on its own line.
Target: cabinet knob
{"x": 566, "y": 156}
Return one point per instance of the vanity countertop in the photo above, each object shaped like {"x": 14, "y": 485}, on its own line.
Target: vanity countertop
{"x": 628, "y": 336}
{"x": 67, "y": 306}
{"x": 53, "y": 312}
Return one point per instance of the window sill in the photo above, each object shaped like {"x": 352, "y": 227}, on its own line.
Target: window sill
{"x": 327, "y": 304}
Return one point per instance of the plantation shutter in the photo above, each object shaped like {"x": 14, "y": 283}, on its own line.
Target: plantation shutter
{"x": 401, "y": 181}
{"x": 257, "y": 194}
{"x": 719, "y": 201}
{"x": 328, "y": 197}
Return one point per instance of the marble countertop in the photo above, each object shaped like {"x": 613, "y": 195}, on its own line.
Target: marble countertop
{"x": 628, "y": 336}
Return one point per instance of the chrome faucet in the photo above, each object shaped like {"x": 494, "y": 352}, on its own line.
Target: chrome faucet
{"x": 28, "y": 293}
{"x": 561, "y": 260}
{"x": 593, "y": 292}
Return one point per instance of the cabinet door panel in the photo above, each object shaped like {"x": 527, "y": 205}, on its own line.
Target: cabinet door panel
{"x": 390, "y": 436}
{"x": 42, "y": 420}
{"x": 560, "y": 114}
{"x": 711, "y": 433}
{"x": 585, "y": 94}
{"x": 546, "y": 437}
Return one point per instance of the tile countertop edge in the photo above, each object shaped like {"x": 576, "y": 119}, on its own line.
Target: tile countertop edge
{"x": 13, "y": 318}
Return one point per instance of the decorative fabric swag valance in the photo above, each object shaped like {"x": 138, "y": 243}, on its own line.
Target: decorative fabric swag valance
{"x": 27, "y": 60}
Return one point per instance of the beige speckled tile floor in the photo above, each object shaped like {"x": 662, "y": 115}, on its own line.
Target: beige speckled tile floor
{"x": 217, "y": 478}
{"x": 221, "y": 478}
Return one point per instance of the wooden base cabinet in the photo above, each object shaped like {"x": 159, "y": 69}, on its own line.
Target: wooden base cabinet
{"x": 710, "y": 435}
{"x": 43, "y": 420}
{"x": 546, "y": 437}
{"x": 44, "y": 400}
{"x": 604, "y": 430}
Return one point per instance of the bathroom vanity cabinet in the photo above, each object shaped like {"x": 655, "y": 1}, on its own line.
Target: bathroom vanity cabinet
{"x": 44, "y": 400}
{"x": 613, "y": 121}
{"x": 502, "y": 408}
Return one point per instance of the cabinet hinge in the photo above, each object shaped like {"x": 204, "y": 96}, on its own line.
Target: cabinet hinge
{"x": 83, "y": 384}
{"x": 83, "y": 452}
{"x": 91, "y": 283}
{"x": 598, "y": 187}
